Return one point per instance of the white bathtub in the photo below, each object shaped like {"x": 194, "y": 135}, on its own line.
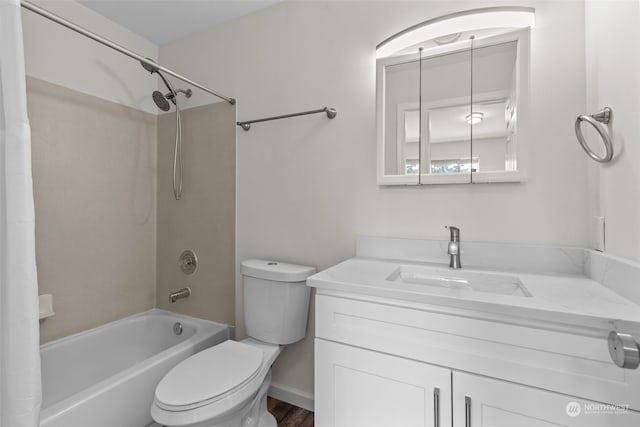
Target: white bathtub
{"x": 107, "y": 376}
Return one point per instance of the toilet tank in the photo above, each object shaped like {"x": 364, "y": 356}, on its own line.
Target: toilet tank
{"x": 276, "y": 300}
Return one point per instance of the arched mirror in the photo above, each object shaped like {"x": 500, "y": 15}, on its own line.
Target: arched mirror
{"x": 449, "y": 93}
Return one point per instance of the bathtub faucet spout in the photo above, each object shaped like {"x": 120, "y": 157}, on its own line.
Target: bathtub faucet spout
{"x": 182, "y": 293}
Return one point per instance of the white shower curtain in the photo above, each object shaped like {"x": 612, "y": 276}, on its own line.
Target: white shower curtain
{"x": 20, "y": 384}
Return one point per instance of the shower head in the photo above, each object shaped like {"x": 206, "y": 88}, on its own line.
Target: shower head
{"x": 160, "y": 100}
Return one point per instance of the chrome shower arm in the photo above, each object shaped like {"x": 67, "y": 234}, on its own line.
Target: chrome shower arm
{"x": 166, "y": 82}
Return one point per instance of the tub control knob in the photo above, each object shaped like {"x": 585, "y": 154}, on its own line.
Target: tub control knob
{"x": 188, "y": 262}
{"x": 623, "y": 349}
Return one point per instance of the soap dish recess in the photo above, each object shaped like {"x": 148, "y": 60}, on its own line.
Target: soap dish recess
{"x": 46, "y": 306}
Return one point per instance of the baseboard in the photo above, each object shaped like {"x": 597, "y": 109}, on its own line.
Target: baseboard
{"x": 291, "y": 395}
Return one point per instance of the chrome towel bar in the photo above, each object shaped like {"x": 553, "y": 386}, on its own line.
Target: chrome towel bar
{"x": 331, "y": 113}
{"x": 597, "y": 120}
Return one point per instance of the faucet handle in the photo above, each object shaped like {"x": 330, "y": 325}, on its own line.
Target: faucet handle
{"x": 455, "y": 232}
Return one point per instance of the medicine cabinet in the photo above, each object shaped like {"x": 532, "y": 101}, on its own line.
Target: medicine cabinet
{"x": 449, "y": 109}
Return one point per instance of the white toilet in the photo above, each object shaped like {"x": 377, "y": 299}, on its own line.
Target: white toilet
{"x": 226, "y": 385}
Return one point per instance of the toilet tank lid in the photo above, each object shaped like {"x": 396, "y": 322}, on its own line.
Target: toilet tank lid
{"x": 275, "y": 270}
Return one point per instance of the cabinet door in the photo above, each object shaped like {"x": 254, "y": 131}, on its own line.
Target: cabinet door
{"x": 485, "y": 402}
{"x": 362, "y": 388}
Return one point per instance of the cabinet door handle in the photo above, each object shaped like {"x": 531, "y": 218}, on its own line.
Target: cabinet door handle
{"x": 467, "y": 411}
{"x": 436, "y": 407}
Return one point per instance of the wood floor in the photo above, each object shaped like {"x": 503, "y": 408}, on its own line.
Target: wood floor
{"x": 285, "y": 414}
{"x": 288, "y": 415}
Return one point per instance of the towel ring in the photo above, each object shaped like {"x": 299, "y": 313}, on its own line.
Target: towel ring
{"x": 595, "y": 120}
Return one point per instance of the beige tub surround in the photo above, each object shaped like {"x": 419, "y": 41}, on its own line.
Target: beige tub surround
{"x": 94, "y": 188}
{"x": 203, "y": 220}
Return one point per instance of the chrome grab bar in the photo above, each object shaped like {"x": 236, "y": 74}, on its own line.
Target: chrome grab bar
{"x": 624, "y": 350}
{"x": 596, "y": 120}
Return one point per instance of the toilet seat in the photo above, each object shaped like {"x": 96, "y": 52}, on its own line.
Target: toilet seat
{"x": 171, "y": 412}
{"x": 209, "y": 376}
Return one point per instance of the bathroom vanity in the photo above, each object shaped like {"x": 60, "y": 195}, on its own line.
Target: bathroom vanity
{"x": 516, "y": 338}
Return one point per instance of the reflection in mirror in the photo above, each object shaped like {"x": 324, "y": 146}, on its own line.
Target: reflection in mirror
{"x": 401, "y": 121}
{"x": 465, "y": 130}
{"x": 449, "y": 141}
{"x": 446, "y": 102}
{"x": 409, "y": 153}
{"x": 494, "y": 140}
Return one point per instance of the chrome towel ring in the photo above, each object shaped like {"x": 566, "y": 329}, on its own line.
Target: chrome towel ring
{"x": 597, "y": 120}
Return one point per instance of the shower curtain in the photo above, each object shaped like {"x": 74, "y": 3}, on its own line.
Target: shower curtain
{"x": 20, "y": 384}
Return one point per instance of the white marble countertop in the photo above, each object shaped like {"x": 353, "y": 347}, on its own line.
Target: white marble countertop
{"x": 567, "y": 298}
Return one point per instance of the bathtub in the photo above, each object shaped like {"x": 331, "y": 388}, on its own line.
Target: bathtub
{"x": 107, "y": 376}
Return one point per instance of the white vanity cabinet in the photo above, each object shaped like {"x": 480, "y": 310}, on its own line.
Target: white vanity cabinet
{"x": 382, "y": 362}
{"x": 485, "y": 402}
{"x": 356, "y": 387}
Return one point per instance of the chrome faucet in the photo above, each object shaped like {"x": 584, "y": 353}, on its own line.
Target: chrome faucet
{"x": 182, "y": 293}
{"x": 454, "y": 247}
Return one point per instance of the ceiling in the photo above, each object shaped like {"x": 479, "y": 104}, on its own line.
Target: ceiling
{"x": 163, "y": 21}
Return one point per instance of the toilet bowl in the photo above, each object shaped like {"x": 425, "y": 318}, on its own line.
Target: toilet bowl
{"x": 226, "y": 385}
{"x": 218, "y": 386}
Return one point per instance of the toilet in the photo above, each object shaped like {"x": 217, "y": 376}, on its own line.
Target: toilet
{"x": 226, "y": 385}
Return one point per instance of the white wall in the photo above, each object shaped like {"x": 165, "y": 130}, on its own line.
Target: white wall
{"x": 613, "y": 79}
{"x": 307, "y": 186}
{"x": 58, "y": 55}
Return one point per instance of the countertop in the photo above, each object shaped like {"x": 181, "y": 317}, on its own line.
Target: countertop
{"x": 572, "y": 299}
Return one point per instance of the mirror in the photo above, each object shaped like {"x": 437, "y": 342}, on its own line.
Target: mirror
{"x": 446, "y": 101}
{"x": 400, "y": 124}
{"x": 447, "y": 109}
{"x": 495, "y": 108}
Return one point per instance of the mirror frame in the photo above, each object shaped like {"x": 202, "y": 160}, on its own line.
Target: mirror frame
{"x": 522, "y": 38}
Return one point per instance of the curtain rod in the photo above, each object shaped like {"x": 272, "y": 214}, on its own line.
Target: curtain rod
{"x": 78, "y": 29}
{"x": 331, "y": 113}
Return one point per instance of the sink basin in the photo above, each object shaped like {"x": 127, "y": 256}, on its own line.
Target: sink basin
{"x": 459, "y": 279}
